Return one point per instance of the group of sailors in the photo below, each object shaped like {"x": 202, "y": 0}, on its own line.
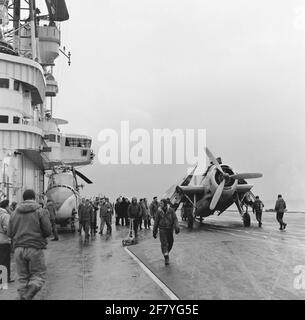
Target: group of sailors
{"x": 139, "y": 212}
{"x": 25, "y": 228}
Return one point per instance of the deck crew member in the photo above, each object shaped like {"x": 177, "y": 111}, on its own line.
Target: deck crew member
{"x": 257, "y": 208}
{"x": 154, "y": 207}
{"x": 118, "y": 211}
{"x": 134, "y": 214}
{"x": 52, "y": 214}
{"x": 146, "y": 214}
{"x": 166, "y": 221}
{"x": 280, "y": 208}
{"x": 95, "y": 205}
{"x": 106, "y": 212}
{"x": 84, "y": 214}
{"x": 124, "y": 208}
{"x": 29, "y": 228}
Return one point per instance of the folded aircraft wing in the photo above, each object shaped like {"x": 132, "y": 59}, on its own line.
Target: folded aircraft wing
{"x": 243, "y": 188}
{"x": 57, "y": 10}
{"x": 189, "y": 190}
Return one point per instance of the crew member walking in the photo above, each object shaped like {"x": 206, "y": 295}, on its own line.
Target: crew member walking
{"x": 84, "y": 214}
{"x": 52, "y": 214}
{"x": 154, "y": 207}
{"x": 95, "y": 206}
{"x": 257, "y": 208}
{"x": 106, "y": 212}
{"x": 29, "y": 228}
{"x": 280, "y": 208}
{"x": 166, "y": 221}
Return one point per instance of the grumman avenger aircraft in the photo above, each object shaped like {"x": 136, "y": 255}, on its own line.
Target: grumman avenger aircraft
{"x": 219, "y": 188}
{"x": 63, "y": 190}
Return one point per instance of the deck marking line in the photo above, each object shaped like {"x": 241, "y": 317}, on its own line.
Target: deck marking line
{"x": 161, "y": 284}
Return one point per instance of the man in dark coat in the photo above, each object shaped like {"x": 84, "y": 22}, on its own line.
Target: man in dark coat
{"x": 280, "y": 208}
{"x": 257, "y": 208}
{"x": 166, "y": 221}
{"x": 52, "y": 214}
{"x": 95, "y": 206}
{"x": 85, "y": 214}
{"x": 134, "y": 214}
{"x": 124, "y": 210}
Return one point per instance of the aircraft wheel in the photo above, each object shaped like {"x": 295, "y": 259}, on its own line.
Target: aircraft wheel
{"x": 190, "y": 222}
{"x": 247, "y": 220}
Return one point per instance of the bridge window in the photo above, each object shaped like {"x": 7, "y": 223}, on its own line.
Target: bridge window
{"x": 4, "y": 83}
{"x": 16, "y": 120}
{"x": 3, "y": 119}
{"x": 84, "y": 153}
{"x": 16, "y": 85}
{"x": 52, "y": 137}
{"x": 78, "y": 143}
{"x": 58, "y": 139}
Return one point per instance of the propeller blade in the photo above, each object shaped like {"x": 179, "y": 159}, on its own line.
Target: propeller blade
{"x": 83, "y": 177}
{"x": 213, "y": 159}
{"x": 217, "y": 195}
{"x": 245, "y": 176}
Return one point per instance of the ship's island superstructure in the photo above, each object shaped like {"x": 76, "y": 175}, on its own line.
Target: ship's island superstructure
{"x": 31, "y": 142}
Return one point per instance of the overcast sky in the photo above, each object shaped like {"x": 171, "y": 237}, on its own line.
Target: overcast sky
{"x": 235, "y": 68}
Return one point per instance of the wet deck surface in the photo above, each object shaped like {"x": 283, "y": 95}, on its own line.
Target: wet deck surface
{"x": 217, "y": 260}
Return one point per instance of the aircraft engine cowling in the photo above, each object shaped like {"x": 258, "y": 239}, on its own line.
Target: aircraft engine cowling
{"x": 230, "y": 184}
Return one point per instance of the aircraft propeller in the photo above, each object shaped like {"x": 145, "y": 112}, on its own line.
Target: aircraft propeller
{"x": 226, "y": 176}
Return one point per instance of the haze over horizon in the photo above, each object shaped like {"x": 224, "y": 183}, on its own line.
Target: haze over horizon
{"x": 234, "y": 68}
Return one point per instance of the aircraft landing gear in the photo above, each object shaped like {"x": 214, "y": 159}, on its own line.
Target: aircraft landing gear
{"x": 247, "y": 220}
{"x": 245, "y": 215}
{"x": 190, "y": 221}
{"x": 73, "y": 226}
{"x": 73, "y": 229}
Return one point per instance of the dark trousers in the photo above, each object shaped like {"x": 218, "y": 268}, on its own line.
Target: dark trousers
{"x": 117, "y": 221}
{"x": 124, "y": 221}
{"x": 93, "y": 222}
{"x": 135, "y": 226}
{"x": 258, "y": 215}
{"x": 54, "y": 229}
{"x": 140, "y": 220}
{"x": 86, "y": 226}
{"x": 167, "y": 240}
{"x": 106, "y": 220}
{"x": 279, "y": 218}
{"x": 5, "y": 258}
{"x": 147, "y": 223}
